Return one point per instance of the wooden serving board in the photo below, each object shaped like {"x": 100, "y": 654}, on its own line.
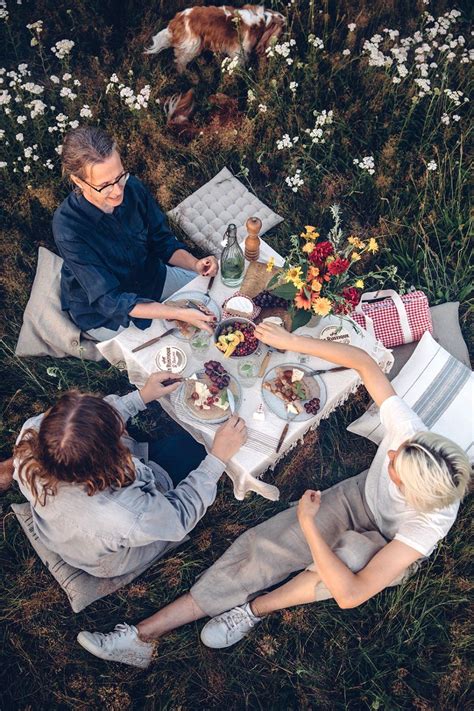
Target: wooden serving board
{"x": 256, "y": 280}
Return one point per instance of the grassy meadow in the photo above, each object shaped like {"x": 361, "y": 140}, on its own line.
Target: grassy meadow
{"x": 394, "y": 155}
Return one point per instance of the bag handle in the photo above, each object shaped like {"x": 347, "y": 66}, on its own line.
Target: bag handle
{"x": 399, "y": 305}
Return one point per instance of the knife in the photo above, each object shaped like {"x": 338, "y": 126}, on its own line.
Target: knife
{"x": 264, "y": 363}
{"x": 153, "y": 340}
{"x": 231, "y": 399}
{"x": 284, "y": 433}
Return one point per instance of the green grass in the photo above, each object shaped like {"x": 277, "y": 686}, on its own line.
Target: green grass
{"x": 407, "y": 648}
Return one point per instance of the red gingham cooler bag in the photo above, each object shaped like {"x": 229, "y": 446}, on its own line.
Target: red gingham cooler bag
{"x": 396, "y": 319}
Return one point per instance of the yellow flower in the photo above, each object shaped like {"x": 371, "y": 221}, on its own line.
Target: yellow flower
{"x": 322, "y": 306}
{"x": 355, "y": 256}
{"x": 308, "y": 247}
{"x": 310, "y": 233}
{"x": 356, "y": 242}
{"x": 293, "y": 275}
{"x": 299, "y": 283}
{"x": 316, "y": 285}
{"x": 359, "y": 284}
{"x": 373, "y": 245}
{"x": 270, "y": 264}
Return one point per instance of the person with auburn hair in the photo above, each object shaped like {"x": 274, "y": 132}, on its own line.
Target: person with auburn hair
{"x": 348, "y": 542}
{"x": 120, "y": 257}
{"x": 95, "y": 499}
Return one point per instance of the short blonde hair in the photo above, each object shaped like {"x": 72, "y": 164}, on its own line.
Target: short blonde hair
{"x": 435, "y": 472}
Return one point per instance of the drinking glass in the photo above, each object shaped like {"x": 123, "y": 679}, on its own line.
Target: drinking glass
{"x": 200, "y": 342}
{"x": 248, "y": 372}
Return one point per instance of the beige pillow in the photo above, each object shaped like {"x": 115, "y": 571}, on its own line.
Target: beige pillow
{"x": 81, "y": 588}
{"x": 46, "y": 329}
{"x": 205, "y": 214}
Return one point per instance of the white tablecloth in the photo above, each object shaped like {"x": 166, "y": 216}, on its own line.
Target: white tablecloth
{"x": 258, "y": 454}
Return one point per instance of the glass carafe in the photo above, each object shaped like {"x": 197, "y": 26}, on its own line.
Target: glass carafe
{"x": 232, "y": 259}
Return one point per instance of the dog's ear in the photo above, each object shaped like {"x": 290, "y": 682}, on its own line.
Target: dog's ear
{"x": 273, "y": 29}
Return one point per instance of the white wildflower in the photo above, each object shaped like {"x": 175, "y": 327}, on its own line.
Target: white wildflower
{"x": 229, "y": 65}
{"x": 367, "y": 164}
{"x": 37, "y": 108}
{"x": 54, "y": 79}
{"x": 351, "y": 26}
{"x": 36, "y": 26}
{"x": 3, "y": 164}
{"x": 295, "y": 181}
{"x": 262, "y": 108}
{"x": 74, "y": 124}
{"x": 62, "y": 48}
{"x": 251, "y": 96}
{"x": 293, "y": 86}
{"x": 431, "y": 166}
{"x": 346, "y": 52}
{"x": 315, "y": 41}
{"x": 21, "y": 119}
{"x": 59, "y": 149}
{"x": 67, "y": 76}
{"x": 456, "y": 117}
{"x": 445, "y": 119}
{"x": 20, "y": 137}
{"x": 287, "y": 142}
{"x": 85, "y": 112}
{"x": 32, "y": 88}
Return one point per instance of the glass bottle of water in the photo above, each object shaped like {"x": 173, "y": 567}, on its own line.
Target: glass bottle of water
{"x": 232, "y": 259}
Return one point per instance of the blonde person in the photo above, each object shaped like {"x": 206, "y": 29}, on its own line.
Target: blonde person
{"x": 121, "y": 259}
{"x": 348, "y": 542}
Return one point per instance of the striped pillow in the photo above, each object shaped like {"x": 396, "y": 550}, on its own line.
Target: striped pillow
{"x": 439, "y": 388}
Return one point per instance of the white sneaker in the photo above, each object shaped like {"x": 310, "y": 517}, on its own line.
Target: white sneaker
{"x": 121, "y": 645}
{"x": 229, "y": 628}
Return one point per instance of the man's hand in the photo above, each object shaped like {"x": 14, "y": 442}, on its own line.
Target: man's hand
{"x": 308, "y": 506}
{"x": 207, "y": 266}
{"x": 229, "y": 438}
{"x": 276, "y": 336}
{"x": 154, "y": 388}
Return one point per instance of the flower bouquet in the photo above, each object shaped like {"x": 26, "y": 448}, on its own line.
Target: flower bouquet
{"x": 318, "y": 277}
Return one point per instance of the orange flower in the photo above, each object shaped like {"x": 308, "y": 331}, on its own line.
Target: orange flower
{"x": 308, "y": 247}
{"x": 302, "y": 300}
{"x": 316, "y": 285}
{"x": 313, "y": 272}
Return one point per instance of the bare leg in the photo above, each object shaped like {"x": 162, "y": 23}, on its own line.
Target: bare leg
{"x": 176, "y": 614}
{"x": 298, "y": 591}
{"x": 6, "y": 474}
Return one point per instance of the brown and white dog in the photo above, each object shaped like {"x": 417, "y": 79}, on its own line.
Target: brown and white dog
{"x": 234, "y": 32}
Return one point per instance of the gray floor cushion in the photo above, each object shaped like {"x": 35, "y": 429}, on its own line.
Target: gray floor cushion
{"x": 205, "y": 214}
{"x": 81, "y": 588}
{"x": 46, "y": 329}
{"x": 446, "y": 331}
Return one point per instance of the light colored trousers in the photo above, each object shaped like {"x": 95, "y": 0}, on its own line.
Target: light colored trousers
{"x": 176, "y": 278}
{"x": 269, "y": 553}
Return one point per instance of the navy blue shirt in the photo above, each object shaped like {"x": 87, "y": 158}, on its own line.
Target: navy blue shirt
{"x": 112, "y": 261}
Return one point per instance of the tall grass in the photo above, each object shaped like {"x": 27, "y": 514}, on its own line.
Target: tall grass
{"x": 408, "y": 647}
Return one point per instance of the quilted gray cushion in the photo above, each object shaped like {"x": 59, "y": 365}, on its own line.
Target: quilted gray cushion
{"x": 81, "y": 588}
{"x": 205, "y": 214}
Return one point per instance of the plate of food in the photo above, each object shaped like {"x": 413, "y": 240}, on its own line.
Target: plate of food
{"x": 211, "y": 394}
{"x": 292, "y": 393}
{"x": 235, "y": 337}
{"x": 191, "y": 299}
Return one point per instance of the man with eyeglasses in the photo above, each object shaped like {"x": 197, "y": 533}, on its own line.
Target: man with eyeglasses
{"x": 121, "y": 260}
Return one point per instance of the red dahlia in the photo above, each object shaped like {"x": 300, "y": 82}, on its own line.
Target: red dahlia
{"x": 338, "y": 266}
{"x": 352, "y": 295}
{"x": 320, "y": 253}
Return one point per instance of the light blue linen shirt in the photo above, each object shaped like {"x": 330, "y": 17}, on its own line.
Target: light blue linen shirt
{"x": 117, "y": 530}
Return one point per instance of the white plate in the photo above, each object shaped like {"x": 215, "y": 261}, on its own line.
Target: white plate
{"x": 278, "y": 406}
{"x": 193, "y": 296}
{"x": 225, "y": 415}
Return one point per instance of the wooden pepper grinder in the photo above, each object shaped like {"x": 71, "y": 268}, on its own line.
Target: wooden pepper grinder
{"x": 252, "y": 241}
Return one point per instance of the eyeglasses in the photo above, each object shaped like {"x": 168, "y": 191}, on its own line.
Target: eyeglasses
{"x": 107, "y": 189}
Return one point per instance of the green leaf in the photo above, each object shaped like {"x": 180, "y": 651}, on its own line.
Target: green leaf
{"x": 273, "y": 280}
{"x": 286, "y": 291}
{"x": 301, "y": 318}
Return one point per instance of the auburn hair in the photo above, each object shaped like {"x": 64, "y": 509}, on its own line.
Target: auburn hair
{"x": 78, "y": 442}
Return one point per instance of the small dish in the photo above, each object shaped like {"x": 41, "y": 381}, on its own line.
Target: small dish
{"x": 279, "y": 406}
{"x": 180, "y": 299}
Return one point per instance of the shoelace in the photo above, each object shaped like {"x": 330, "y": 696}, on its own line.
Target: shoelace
{"x": 120, "y": 630}
{"x": 240, "y": 615}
